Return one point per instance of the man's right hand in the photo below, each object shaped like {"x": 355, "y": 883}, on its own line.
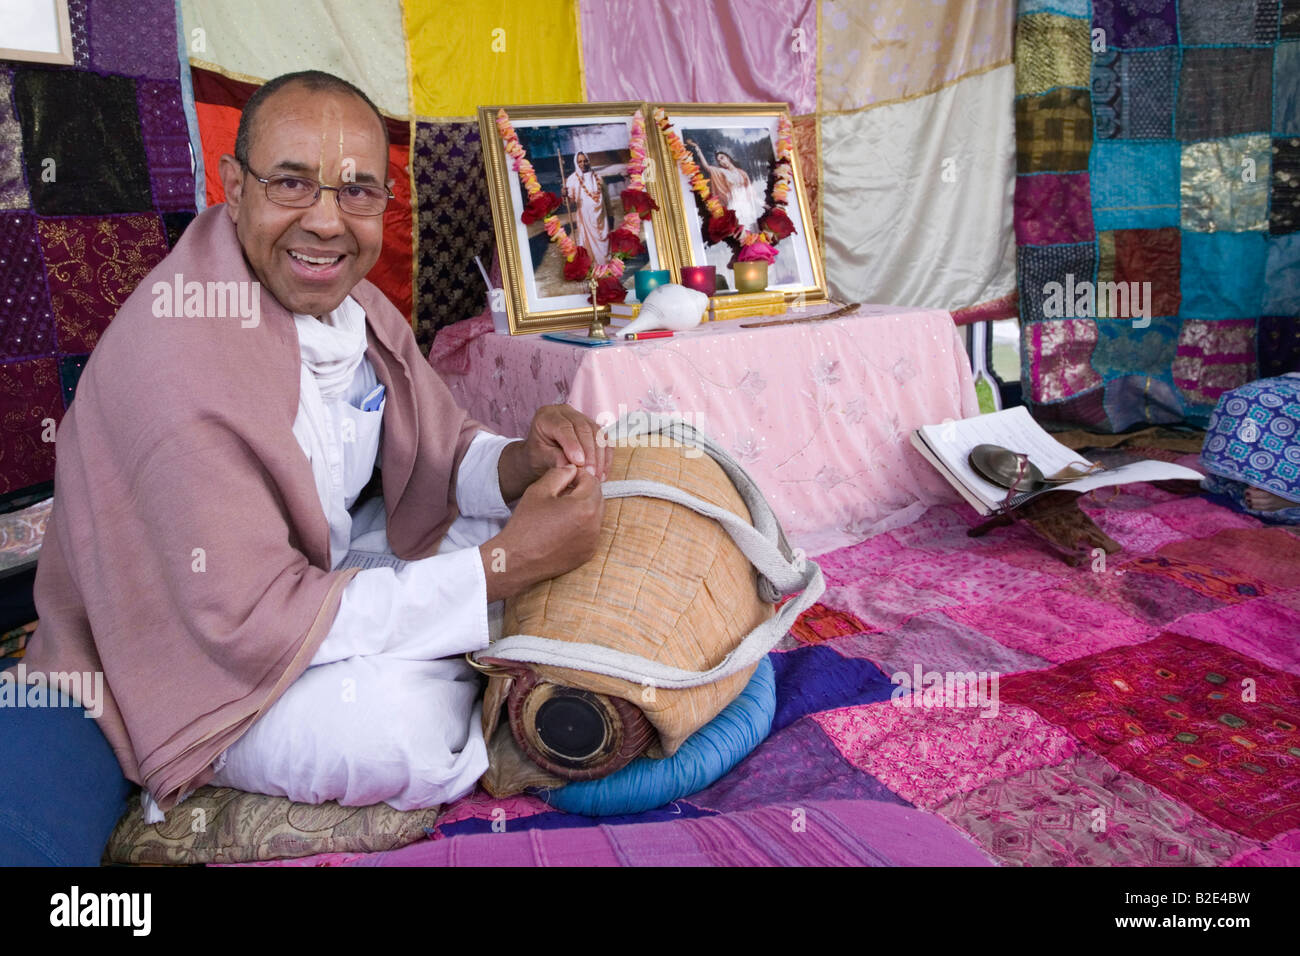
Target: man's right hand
{"x": 555, "y": 528}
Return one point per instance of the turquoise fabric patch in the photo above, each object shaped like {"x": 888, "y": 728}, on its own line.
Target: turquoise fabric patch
{"x": 1286, "y": 89}
{"x": 1134, "y": 185}
{"x": 1282, "y": 275}
{"x": 1066, "y": 8}
{"x": 705, "y": 758}
{"x": 1124, "y": 350}
{"x": 1223, "y": 275}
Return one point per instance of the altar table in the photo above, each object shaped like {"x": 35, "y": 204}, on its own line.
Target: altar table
{"x": 819, "y": 413}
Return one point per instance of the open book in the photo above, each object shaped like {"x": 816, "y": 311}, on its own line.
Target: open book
{"x": 948, "y": 447}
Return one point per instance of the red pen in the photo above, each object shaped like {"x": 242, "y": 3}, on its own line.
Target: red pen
{"x": 661, "y": 334}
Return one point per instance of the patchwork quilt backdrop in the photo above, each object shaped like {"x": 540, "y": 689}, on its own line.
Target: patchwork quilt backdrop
{"x": 90, "y": 201}
{"x": 1158, "y": 143}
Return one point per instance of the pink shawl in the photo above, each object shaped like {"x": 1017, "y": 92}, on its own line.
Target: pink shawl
{"x": 188, "y": 554}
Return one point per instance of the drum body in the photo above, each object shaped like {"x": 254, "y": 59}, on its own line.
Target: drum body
{"x": 666, "y": 584}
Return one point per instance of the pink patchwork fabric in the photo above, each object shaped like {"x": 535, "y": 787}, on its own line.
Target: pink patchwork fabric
{"x": 1138, "y": 532}
{"x": 1283, "y": 850}
{"x": 1054, "y": 625}
{"x": 481, "y": 805}
{"x": 928, "y": 755}
{"x": 941, "y": 529}
{"x": 1198, "y": 518}
{"x": 885, "y": 604}
{"x": 1205, "y": 724}
{"x": 971, "y": 579}
{"x": 1084, "y": 812}
{"x": 1264, "y": 630}
{"x": 938, "y": 643}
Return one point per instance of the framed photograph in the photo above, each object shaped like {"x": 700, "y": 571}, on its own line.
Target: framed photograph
{"x": 735, "y": 147}
{"x": 38, "y": 31}
{"x": 580, "y": 152}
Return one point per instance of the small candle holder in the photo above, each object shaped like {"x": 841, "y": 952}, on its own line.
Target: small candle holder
{"x": 750, "y": 276}
{"x": 596, "y": 330}
{"x": 700, "y": 278}
{"x": 647, "y": 280}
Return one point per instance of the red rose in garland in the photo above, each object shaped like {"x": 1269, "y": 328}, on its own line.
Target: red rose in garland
{"x": 723, "y": 227}
{"x": 639, "y": 201}
{"x": 623, "y": 243}
{"x": 576, "y": 271}
{"x": 610, "y": 289}
{"x": 777, "y": 224}
{"x": 539, "y": 207}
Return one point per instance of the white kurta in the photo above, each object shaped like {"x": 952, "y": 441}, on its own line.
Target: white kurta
{"x": 387, "y": 711}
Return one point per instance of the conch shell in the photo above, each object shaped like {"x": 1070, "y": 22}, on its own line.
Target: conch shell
{"x": 672, "y": 307}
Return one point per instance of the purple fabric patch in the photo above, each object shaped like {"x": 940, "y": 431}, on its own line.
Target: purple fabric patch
{"x": 795, "y": 765}
{"x": 26, "y": 319}
{"x": 166, "y": 143}
{"x": 77, "y": 16}
{"x": 1053, "y": 208}
{"x": 741, "y": 52}
{"x": 812, "y": 679}
{"x": 134, "y": 37}
{"x": 939, "y": 641}
{"x": 1136, "y": 23}
{"x": 93, "y": 263}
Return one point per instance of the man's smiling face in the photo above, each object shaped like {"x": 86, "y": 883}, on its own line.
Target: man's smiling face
{"x": 311, "y": 258}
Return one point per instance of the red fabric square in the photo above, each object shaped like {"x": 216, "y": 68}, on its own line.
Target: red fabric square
{"x": 1206, "y": 725}
{"x": 820, "y": 624}
{"x": 30, "y": 394}
{"x": 1151, "y": 255}
{"x": 92, "y": 264}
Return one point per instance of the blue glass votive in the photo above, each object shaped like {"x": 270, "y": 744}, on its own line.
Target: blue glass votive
{"x": 647, "y": 280}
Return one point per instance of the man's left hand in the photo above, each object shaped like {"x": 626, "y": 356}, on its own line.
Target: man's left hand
{"x": 560, "y": 435}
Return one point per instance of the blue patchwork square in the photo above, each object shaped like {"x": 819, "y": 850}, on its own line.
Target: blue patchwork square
{"x": 1282, "y": 275}
{"x": 1066, "y": 8}
{"x": 1223, "y": 274}
{"x": 1124, "y": 350}
{"x": 1134, "y": 185}
{"x": 1286, "y": 88}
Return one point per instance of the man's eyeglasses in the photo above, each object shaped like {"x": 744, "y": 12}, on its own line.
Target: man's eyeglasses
{"x": 299, "y": 192}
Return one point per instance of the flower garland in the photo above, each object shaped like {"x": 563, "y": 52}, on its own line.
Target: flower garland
{"x": 624, "y": 242}
{"x": 721, "y": 224}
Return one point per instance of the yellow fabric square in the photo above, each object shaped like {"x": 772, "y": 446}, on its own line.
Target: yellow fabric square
{"x": 470, "y": 53}
{"x": 1052, "y": 51}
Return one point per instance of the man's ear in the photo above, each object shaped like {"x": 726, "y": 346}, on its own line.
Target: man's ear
{"x": 232, "y": 181}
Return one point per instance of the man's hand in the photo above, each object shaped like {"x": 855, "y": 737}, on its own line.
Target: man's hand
{"x": 554, "y": 529}
{"x": 559, "y": 435}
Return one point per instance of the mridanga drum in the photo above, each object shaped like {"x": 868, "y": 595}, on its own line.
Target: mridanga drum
{"x": 631, "y": 653}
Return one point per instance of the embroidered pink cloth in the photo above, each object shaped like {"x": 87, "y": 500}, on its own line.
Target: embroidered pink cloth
{"x": 819, "y": 413}
{"x": 187, "y": 556}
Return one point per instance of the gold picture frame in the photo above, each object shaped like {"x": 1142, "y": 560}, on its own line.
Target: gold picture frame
{"x": 555, "y": 136}
{"x": 747, "y": 134}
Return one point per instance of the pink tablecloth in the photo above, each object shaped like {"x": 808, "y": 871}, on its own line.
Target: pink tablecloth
{"x": 820, "y": 414}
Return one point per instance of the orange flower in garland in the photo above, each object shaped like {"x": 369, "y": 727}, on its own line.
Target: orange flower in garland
{"x": 625, "y": 241}
{"x": 721, "y": 225}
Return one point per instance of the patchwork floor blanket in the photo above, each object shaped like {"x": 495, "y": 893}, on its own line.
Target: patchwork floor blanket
{"x": 1140, "y": 710}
